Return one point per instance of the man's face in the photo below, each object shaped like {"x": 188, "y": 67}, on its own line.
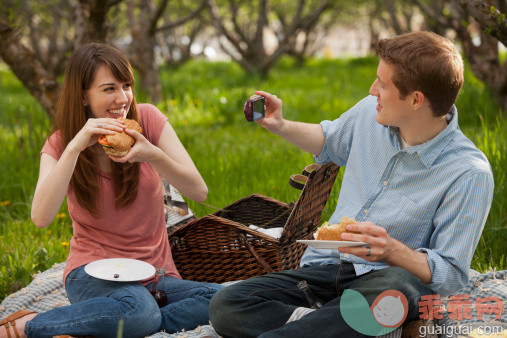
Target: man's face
{"x": 391, "y": 110}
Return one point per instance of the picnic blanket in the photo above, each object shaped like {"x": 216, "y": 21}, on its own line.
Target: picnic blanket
{"x": 46, "y": 292}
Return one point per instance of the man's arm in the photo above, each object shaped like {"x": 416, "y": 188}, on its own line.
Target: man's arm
{"x": 384, "y": 248}
{"x": 308, "y": 137}
{"x": 458, "y": 225}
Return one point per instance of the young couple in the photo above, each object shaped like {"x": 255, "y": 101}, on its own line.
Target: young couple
{"x": 419, "y": 189}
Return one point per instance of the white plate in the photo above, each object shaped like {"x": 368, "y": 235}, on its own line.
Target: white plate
{"x": 319, "y": 244}
{"x": 126, "y": 270}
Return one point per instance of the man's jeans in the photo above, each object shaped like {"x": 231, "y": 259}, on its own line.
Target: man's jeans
{"x": 98, "y": 305}
{"x": 261, "y": 306}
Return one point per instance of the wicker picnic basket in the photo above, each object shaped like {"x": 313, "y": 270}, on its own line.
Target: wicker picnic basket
{"x": 221, "y": 247}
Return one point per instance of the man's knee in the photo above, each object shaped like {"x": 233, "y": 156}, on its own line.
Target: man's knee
{"x": 220, "y": 306}
{"x": 404, "y": 281}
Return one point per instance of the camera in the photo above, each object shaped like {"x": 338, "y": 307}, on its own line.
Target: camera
{"x": 254, "y": 108}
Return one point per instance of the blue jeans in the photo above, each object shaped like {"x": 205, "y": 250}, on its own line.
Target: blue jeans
{"x": 261, "y": 306}
{"x": 98, "y": 305}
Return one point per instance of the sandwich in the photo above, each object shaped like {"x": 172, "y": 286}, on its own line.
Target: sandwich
{"x": 333, "y": 232}
{"x": 119, "y": 144}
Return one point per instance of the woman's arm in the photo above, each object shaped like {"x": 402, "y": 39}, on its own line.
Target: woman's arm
{"x": 55, "y": 175}
{"x": 54, "y": 179}
{"x": 171, "y": 160}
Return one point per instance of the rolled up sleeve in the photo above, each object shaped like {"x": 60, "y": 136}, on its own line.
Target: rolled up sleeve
{"x": 458, "y": 224}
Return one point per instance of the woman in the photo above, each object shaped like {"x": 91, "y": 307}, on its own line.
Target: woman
{"x": 116, "y": 205}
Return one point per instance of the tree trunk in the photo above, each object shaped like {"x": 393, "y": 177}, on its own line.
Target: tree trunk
{"x": 144, "y": 61}
{"x": 95, "y": 20}
{"x": 142, "y": 48}
{"x": 484, "y": 59}
{"x": 44, "y": 87}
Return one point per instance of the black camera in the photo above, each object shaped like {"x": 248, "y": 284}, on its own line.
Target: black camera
{"x": 254, "y": 108}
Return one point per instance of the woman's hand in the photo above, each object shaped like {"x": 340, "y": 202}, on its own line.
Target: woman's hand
{"x": 142, "y": 151}
{"x": 377, "y": 238}
{"x": 89, "y": 134}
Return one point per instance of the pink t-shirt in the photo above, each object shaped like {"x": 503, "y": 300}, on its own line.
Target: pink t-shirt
{"x": 137, "y": 231}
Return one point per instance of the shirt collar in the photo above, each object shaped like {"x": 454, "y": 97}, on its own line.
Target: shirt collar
{"x": 429, "y": 151}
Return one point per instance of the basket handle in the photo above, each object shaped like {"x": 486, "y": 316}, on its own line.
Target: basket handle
{"x": 244, "y": 241}
{"x": 299, "y": 181}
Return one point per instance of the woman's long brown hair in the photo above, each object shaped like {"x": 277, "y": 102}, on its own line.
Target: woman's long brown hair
{"x": 71, "y": 116}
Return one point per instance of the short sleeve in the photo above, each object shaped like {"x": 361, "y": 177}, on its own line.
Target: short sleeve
{"x": 53, "y": 146}
{"x": 339, "y": 134}
{"x": 152, "y": 121}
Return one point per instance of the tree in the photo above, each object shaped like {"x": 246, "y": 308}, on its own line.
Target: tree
{"x": 479, "y": 26}
{"x": 42, "y": 85}
{"x": 33, "y": 66}
{"x": 49, "y": 32}
{"x": 308, "y": 38}
{"x": 179, "y": 45}
{"x": 244, "y": 24}
{"x": 145, "y": 22}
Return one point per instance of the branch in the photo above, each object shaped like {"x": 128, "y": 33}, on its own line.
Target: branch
{"x": 432, "y": 13}
{"x": 311, "y": 19}
{"x": 261, "y": 23}
{"x": 237, "y": 28}
{"x": 27, "y": 68}
{"x": 54, "y": 9}
{"x": 184, "y": 20}
{"x": 217, "y": 19}
{"x": 112, "y": 3}
{"x": 491, "y": 19}
{"x": 158, "y": 14}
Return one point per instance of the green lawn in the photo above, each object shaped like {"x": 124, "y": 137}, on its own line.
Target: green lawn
{"x": 204, "y": 102}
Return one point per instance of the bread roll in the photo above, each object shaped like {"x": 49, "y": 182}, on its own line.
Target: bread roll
{"x": 333, "y": 232}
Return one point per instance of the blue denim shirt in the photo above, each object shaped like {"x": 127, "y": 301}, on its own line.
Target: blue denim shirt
{"x": 433, "y": 197}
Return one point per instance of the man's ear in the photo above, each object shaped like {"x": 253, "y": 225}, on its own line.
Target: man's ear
{"x": 417, "y": 100}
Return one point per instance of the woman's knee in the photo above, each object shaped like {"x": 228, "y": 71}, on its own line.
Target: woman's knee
{"x": 209, "y": 290}
{"x": 142, "y": 316}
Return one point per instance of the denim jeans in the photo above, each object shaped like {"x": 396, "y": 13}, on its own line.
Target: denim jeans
{"x": 98, "y": 305}
{"x": 261, "y": 306}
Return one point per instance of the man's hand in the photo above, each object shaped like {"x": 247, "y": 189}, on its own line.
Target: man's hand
{"x": 273, "y": 120}
{"x": 375, "y": 236}
{"x": 309, "y": 137}
{"x": 387, "y": 249}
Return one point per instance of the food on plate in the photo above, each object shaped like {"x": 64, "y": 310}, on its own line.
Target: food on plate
{"x": 119, "y": 144}
{"x": 333, "y": 232}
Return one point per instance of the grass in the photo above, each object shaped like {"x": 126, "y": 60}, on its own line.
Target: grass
{"x": 204, "y": 103}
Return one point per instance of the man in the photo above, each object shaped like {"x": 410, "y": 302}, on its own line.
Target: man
{"x": 419, "y": 189}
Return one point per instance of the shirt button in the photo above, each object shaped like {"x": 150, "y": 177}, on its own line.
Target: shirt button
{"x": 416, "y": 155}
{"x": 346, "y": 255}
{"x": 399, "y": 155}
{"x": 366, "y": 211}
{"x": 384, "y": 183}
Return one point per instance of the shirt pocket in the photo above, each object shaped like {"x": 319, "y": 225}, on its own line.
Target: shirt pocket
{"x": 407, "y": 221}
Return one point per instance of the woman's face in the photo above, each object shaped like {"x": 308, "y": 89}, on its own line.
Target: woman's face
{"x": 107, "y": 97}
